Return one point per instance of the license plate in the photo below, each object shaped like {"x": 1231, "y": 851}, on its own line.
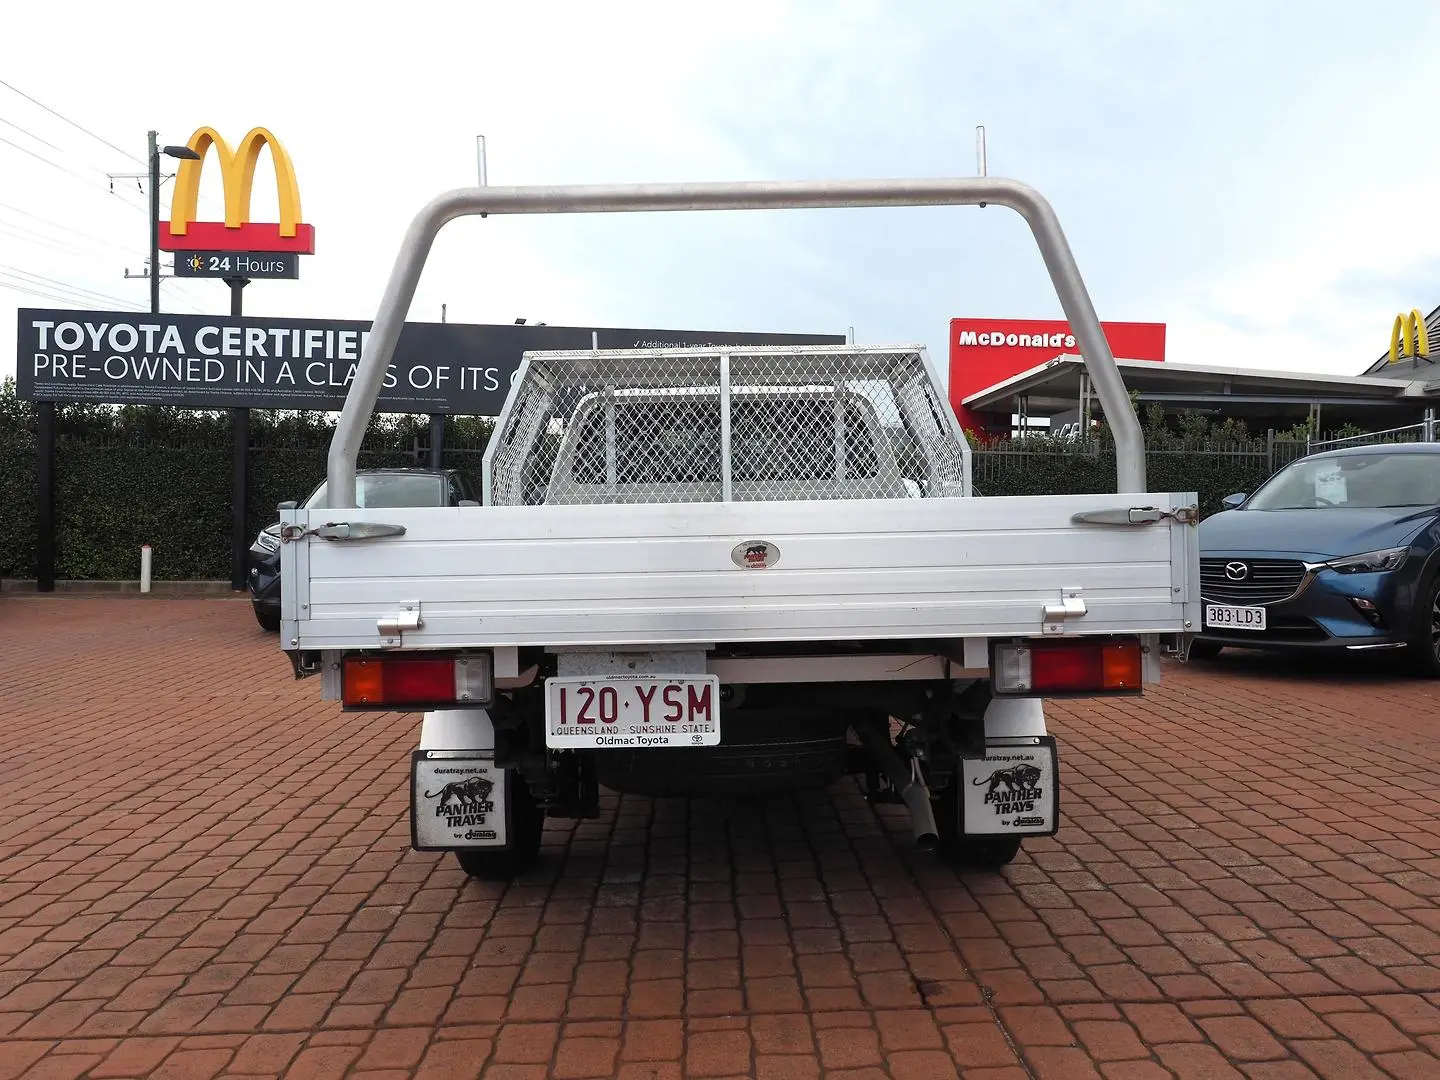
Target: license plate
{"x": 1012, "y": 790}
{"x": 456, "y": 802}
{"x": 632, "y": 711}
{"x": 1224, "y": 617}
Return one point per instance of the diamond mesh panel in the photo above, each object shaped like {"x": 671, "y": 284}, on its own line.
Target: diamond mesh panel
{"x": 654, "y": 426}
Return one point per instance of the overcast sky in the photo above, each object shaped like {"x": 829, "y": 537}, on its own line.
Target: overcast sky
{"x": 1254, "y": 174}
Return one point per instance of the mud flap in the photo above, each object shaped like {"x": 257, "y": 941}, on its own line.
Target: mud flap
{"x": 458, "y": 801}
{"x": 1014, "y": 790}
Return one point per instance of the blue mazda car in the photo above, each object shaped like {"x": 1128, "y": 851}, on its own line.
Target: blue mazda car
{"x": 1339, "y": 550}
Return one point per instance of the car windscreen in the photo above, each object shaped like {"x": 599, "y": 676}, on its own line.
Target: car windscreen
{"x": 1355, "y": 481}
{"x": 389, "y": 489}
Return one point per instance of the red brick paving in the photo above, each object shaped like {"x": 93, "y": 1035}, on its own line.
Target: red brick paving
{"x": 205, "y": 871}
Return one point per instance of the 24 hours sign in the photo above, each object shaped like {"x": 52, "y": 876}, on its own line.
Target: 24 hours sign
{"x": 237, "y": 264}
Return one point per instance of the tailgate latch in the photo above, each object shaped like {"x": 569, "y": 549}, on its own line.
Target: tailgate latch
{"x": 391, "y": 627}
{"x": 1138, "y": 515}
{"x": 341, "y": 530}
{"x": 1071, "y": 606}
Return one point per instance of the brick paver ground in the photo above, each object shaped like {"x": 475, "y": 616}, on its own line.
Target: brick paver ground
{"x": 205, "y": 871}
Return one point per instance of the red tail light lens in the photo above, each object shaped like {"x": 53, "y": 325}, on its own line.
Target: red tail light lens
{"x": 415, "y": 682}
{"x": 1067, "y": 667}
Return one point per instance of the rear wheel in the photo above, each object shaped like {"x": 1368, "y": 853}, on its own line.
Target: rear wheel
{"x": 1424, "y": 648}
{"x": 985, "y": 852}
{"x": 527, "y": 822}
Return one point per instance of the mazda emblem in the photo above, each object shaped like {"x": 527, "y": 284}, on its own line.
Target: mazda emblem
{"x": 1237, "y": 571}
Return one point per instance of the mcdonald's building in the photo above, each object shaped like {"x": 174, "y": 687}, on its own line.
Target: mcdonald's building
{"x": 1009, "y": 376}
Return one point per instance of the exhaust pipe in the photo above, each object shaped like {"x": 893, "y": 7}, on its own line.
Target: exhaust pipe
{"x": 908, "y": 782}
{"x": 922, "y": 816}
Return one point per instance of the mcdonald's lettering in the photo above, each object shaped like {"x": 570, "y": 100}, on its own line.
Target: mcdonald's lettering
{"x": 237, "y": 171}
{"x": 1409, "y": 338}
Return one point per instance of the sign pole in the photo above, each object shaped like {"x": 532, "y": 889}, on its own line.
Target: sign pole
{"x": 437, "y": 426}
{"x": 45, "y": 492}
{"x": 240, "y": 462}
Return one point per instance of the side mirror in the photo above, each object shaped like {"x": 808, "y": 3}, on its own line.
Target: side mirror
{"x": 1233, "y": 502}
{"x": 288, "y": 504}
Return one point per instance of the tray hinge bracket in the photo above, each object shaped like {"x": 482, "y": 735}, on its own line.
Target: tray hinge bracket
{"x": 1055, "y": 616}
{"x": 392, "y": 627}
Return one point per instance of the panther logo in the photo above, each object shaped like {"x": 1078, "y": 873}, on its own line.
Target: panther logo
{"x": 470, "y": 793}
{"x": 1018, "y": 778}
{"x": 755, "y": 555}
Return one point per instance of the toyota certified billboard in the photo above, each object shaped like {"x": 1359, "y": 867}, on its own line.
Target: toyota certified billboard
{"x": 216, "y": 362}
{"x": 984, "y": 352}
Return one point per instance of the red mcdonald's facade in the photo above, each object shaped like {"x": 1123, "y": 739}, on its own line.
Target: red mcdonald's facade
{"x": 984, "y": 352}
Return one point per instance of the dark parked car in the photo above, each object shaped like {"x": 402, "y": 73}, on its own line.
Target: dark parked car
{"x": 373, "y": 487}
{"x": 1339, "y": 550}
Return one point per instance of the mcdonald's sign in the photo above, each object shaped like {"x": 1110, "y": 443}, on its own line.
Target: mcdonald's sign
{"x": 1409, "y": 338}
{"x": 237, "y": 170}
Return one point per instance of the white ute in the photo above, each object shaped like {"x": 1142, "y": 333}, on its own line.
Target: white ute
{"x": 732, "y": 571}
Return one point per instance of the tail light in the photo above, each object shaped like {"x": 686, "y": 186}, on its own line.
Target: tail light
{"x": 416, "y": 682}
{"x": 1067, "y": 667}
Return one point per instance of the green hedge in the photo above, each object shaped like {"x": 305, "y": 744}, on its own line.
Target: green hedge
{"x": 137, "y": 474}
{"x": 1183, "y": 452}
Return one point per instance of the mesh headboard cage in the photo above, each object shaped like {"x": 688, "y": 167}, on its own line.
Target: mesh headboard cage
{"x": 744, "y": 424}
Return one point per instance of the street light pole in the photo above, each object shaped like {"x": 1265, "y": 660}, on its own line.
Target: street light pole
{"x": 154, "y": 225}
{"x": 182, "y": 153}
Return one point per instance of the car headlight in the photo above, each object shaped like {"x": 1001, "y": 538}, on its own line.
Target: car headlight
{"x": 1371, "y": 562}
{"x": 267, "y": 542}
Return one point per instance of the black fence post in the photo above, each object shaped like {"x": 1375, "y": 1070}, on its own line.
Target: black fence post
{"x": 45, "y": 496}
{"x": 239, "y": 496}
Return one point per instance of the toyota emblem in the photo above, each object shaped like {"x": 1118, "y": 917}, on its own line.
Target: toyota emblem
{"x": 1237, "y": 571}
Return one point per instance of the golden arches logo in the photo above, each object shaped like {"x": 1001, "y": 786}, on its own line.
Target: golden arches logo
{"x": 237, "y": 171}
{"x": 1408, "y": 337}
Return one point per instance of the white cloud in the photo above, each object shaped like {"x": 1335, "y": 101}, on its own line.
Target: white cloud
{"x": 1225, "y": 169}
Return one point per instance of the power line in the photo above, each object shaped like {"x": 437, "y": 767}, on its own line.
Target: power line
{"x": 66, "y": 228}
{"x": 55, "y": 292}
{"x": 38, "y": 239}
{"x": 58, "y": 149}
{"x": 69, "y": 172}
{"x": 57, "y": 283}
{"x": 38, "y": 157}
{"x": 27, "y": 131}
{"x": 57, "y": 244}
{"x": 36, "y": 292}
{"x": 72, "y": 123}
{"x": 95, "y": 296}
{"x": 111, "y": 189}
{"x": 195, "y": 301}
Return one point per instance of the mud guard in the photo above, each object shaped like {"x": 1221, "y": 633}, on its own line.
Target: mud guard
{"x": 458, "y": 796}
{"x": 1014, "y": 790}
